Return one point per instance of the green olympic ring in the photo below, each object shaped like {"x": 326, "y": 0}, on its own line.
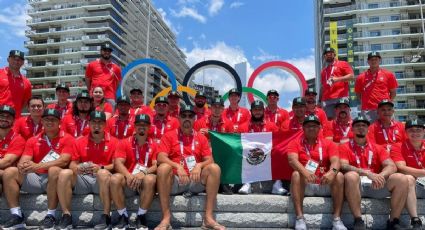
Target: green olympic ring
{"x": 249, "y": 90}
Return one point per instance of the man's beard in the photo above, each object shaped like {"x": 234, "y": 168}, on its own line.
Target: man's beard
{"x": 6, "y": 126}
{"x": 342, "y": 114}
{"x": 142, "y": 133}
{"x": 255, "y": 119}
{"x": 360, "y": 135}
{"x": 84, "y": 110}
{"x": 96, "y": 132}
{"x": 106, "y": 57}
{"x": 199, "y": 104}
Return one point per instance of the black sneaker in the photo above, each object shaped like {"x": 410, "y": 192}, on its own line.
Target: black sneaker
{"x": 393, "y": 225}
{"x": 105, "y": 221}
{"x": 15, "y": 222}
{"x": 416, "y": 223}
{"x": 65, "y": 222}
{"x": 141, "y": 223}
{"x": 226, "y": 189}
{"x": 359, "y": 224}
{"x": 122, "y": 223}
{"x": 48, "y": 223}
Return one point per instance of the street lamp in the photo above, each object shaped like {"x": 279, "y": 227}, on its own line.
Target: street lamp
{"x": 147, "y": 51}
{"x": 418, "y": 56}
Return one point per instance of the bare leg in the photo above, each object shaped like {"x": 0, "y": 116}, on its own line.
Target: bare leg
{"x": 117, "y": 190}
{"x": 66, "y": 180}
{"x": 397, "y": 184}
{"x": 297, "y": 192}
{"x": 164, "y": 182}
{"x": 146, "y": 197}
{"x": 52, "y": 195}
{"x": 104, "y": 177}
{"x": 210, "y": 176}
{"x": 12, "y": 181}
{"x": 352, "y": 193}
{"x": 337, "y": 188}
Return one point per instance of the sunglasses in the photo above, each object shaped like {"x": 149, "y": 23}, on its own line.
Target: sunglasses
{"x": 187, "y": 115}
{"x": 161, "y": 104}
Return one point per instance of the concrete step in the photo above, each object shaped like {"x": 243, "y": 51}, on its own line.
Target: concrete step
{"x": 234, "y": 211}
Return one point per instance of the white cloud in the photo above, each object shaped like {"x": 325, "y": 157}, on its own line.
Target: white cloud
{"x": 306, "y": 65}
{"x": 189, "y": 12}
{"x": 14, "y": 17}
{"x": 235, "y": 5}
{"x": 215, "y": 6}
{"x": 203, "y": 36}
{"x": 166, "y": 20}
{"x": 282, "y": 82}
{"x": 264, "y": 56}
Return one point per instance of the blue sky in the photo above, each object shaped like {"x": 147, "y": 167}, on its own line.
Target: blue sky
{"x": 228, "y": 30}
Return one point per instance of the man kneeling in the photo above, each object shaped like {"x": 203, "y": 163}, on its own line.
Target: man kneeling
{"x": 186, "y": 165}
{"x": 135, "y": 165}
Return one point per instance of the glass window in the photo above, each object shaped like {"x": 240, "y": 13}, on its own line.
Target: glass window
{"x": 395, "y": 31}
{"x": 399, "y": 74}
{"x": 376, "y": 47}
{"x": 395, "y": 17}
{"x": 372, "y": 5}
{"x": 419, "y": 88}
{"x": 394, "y": 4}
{"x": 396, "y": 45}
{"x": 374, "y": 19}
{"x": 402, "y": 118}
{"x": 398, "y": 60}
{"x": 375, "y": 33}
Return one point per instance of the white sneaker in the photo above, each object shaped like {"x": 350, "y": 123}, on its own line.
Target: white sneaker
{"x": 337, "y": 224}
{"x": 245, "y": 189}
{"x": 278, "y": 189}
{"x": 300, "y": 223}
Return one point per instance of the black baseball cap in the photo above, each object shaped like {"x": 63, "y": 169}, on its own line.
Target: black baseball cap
{"x": 17, "y": 53}
{"x": 385, "y": 102}
{"x": 161, "y": 100}
{"x": 123, "y": 99}
{"x": 310, "y": 90}
{"x": 51, "y": 112}
{"x": 360, "y": 118}
{"x": 373, "y": 54}
{"x": 234, "y": 90}
{"x": 200, "y": 94}
{"x": 142, "y": 118}
{"x": 414, "y": 123}
{"x": 106, "y": 46}
{"x": 257, "y": 104}
{"x": 97, "y": 115}
{"x": 62, "y": 86}
{"x": 311, "y": 118}
{"x": 299, "y": 101}
{"x": 328, "y": 49}
{"x": 218, "y": 101}
{"x": 82, "y": 95}
{"x": 136, "y": 90}
{"x": 343, "y": 101}
{"x": 186, "y": 108}
{"x": 174, "y": 94}
{"x": 7, "y": 109}
{"x": 272, "y": 92}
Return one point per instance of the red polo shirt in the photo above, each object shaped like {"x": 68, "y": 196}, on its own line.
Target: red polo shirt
{"x": 202, "y": 113}
{"x": 37, "y": 147}
{"x": 105, "y": 107}
{"x": 86, "y": 150}
{"x": 386, "y": 136}
{"x": 62, "y": 110}
{"x": 206, "y": 123}
{"x": 251, "y": 127}
{"x": 341, "y": 131}
{"x": 351, "y": 152}
{"x": 174, "y": 112}
{"x": 144, "y": 155}
{"x": 277, "y": 117}
{"x": 159, "y": 128}
{"x": 74, "y": 126}
{"x": 120, "y": 128}
{"x": 26, "y": 127}
{"x": 406, "y": 153}
{"x": 14, "y": 91}
{"x": 306, "y": 152}
{"x": 107, "y": 76}
{"x": 170, "y": 144}
{"x": 375, "y": 87}
{"x": 143, "y": 109}
{"x": 236, "y": 117}
{"x": 338, "y": 89}
{"x": 13, "y": 143}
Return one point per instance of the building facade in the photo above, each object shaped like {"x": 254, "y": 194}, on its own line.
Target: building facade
{"x": 392, "y": 27}
{"x": 64, "y": 36}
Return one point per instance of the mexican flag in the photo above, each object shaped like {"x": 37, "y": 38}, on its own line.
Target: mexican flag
{"x": 251, "y": 157}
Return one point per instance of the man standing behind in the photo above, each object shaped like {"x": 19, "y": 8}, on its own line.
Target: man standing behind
{"x": 374, "y": 85}
{"x": 121, "y": 126}
{"x": 15, "y": 88}
{"x": 62, "y": 105}
{"x": 234, "y": 113}
{"x": 200, "y": 109}
{"x": 215, "y": 121}
{"x": 341, "y": 126}
{"x": 273, "y": 113}
{"x": 104, "y": 73}
{"x": 334, "y": 81}
{"x": 162, "y": 122}
{"x": 174, "y": 103}
{"x": 30, "y": 126}
{"x": 137, "y": 106}
{"x": 76, "y": 123}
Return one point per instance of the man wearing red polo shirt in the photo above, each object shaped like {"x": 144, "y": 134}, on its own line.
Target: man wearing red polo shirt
{"x": 273, "y": 113}
{"x": 15, "y": 88}
{"x": 77, "y": 123}
{"x": 30, "y": 126}
{"x": 374, "y": 85}
{"x": 137, "y": 106}
{"x": 316, "y": 172}
{"x": 386, "y": 131}
{"x": 200, "y": 109}
{"x": 62, "y": 105}
{"x": 162, "y": 122}
{"x": 234, "y": 113}
{"x": 370, "y": 166}
{"x": 334, "y": 81}
{"x": 341, "y": 126}
{"x": 135, "y": 164}
{"x": 37, "y": 171}
{"x": 214, "y": 122}
{"x": 312, "y": 109}
{"x": 174, "y": 103}
{"x": 12, "y": 144}
{"x": 104, "y": 73}
{"x": 409, "y": 157}
{"x": 89, "y": 171}
{"x": 121, "y": 126}
{"x": 186, "y": 166}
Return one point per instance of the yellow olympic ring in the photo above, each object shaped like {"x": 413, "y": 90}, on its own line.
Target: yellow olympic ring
{"x": 165, "y": 91}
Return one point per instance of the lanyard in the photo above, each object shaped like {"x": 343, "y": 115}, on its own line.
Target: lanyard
{"x": 384, "y": 131}
{"x": 6, "y": 140}
{"x": 238, "y": 118}
{"x": 252, "y": 128}
{"x": 374, "y": 76}
{"x": 83, "y": 125}
{"x": 346, "y": 131}
{"x": 117, "y": 128}
{"x": 162, "y": 129}
{"x": 136, "y": 146}
{"x": 36, "y": 127}
{"x": 49, "y": 143}
{"x": 329, "y": 75}
{"x": 416, "y": 155}
{"x": 181, "y": 145}
{"x": 369, "y": 158}
{"x": 307, "y": 150}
